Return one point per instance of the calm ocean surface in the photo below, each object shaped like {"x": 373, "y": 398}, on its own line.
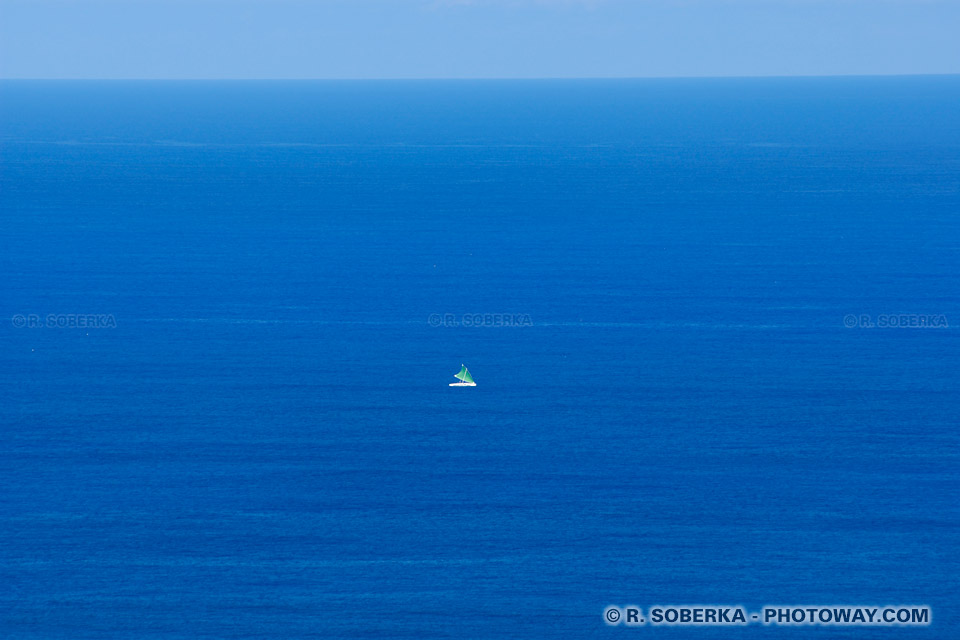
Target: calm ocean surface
{"x": 262, "y": 444}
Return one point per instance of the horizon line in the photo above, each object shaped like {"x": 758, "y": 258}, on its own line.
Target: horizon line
{"x": 478, "y": 78}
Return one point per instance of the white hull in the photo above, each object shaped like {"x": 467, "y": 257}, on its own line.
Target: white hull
{"x": 463, "y": 384}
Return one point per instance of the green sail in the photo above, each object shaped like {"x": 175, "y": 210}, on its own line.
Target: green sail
{"x": 464, "y": 374}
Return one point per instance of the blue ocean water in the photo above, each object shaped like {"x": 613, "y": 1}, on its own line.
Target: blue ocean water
{"x": 671, "y": 407}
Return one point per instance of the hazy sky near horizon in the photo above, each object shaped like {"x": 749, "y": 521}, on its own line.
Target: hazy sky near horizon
{"x": 474, "y": 38}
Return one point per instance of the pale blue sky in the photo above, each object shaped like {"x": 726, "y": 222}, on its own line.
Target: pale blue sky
{"x": 474, "y": 38}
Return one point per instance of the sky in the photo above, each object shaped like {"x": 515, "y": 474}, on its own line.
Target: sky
{"x": 193, "y": 39}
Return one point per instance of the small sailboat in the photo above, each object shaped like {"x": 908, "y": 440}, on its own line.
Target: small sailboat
{"x": 466, "y": 380}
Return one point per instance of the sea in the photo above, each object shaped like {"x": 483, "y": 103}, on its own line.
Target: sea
{"x": 714, "y": 326}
